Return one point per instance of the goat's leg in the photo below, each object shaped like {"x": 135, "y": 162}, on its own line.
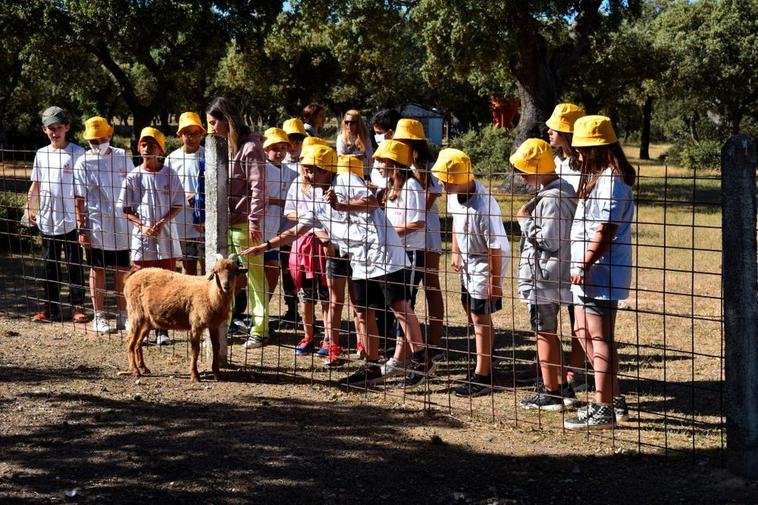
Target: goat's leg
{"x": 143, "y": 331}
{"x": 215, "y": 346}
{"x": 130, "y": 353}
{"x": 195, "y": 335}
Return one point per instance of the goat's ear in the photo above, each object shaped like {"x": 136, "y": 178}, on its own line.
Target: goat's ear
{"x": 232, "y": 257}
{"x": 219, "y": 257}
{"x": 211, "y": 275}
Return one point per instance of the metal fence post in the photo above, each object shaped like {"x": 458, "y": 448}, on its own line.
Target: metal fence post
{"x": 738, "y": 203}
{"x": 216, "y": 214}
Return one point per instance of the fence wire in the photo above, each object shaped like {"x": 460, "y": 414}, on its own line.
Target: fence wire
{"x": 669, "y": 330}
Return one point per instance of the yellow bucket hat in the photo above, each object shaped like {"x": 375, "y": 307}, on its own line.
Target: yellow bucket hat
{"x": 314, "y": 141}
{"x": 409, "y": 129}
{"x": 294, "y": 126}
{"x": 593, "y": 131}
{"x": 323, "y": 157}
{"x": 395, "y": 150}
{"x": 275, "y": 136}
{"x": 153, "y": 133}
{"x": 453, "y": 167}
{"x": 534, "y": 156}
{"x": 349, "y": 164}
{"x": 564, "y": 116}
{"x": 189, "y": 119}
{"x": 97, "y": 127}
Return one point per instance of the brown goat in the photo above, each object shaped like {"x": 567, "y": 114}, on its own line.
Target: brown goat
{"x": 157, "y": 298}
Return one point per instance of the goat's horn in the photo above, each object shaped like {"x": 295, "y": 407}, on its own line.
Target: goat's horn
{"x": 232, "y": 257}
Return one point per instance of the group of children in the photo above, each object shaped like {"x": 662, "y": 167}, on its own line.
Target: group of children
{"x": 318, "y": 218}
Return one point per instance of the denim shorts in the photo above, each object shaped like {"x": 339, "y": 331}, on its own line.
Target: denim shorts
{"x": 596, "y": 306}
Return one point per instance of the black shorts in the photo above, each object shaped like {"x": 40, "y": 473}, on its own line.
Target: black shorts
{"x": 379, "y": 292}
{"x": 338, "y": 268}
{"x": 312, "y": 291}
{"x": 100, "y": 258}
{"x": 477, "y": 305}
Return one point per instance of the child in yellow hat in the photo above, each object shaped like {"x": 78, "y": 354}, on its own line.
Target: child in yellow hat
{"x": 560, "y": 129}
{"x": 50, "y": 206}
{"x": 151, "y": 197}
{"x": 601, "y": 261}
{"x": 189, "y": 163}
{"x": 480, "y": 253}
{"x": 544, "y": 270}
{"x": 103, "y": 231}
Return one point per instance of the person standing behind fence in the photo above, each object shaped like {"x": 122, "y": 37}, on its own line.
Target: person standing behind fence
{"x": 187, "y": 162}
{"x": 601, "y": 262}
{"x": 50, "y": 206}
{"x": 313, "y": 117}
{"x": 480, "y": 253}
{"x": 384, "y": 124}
{"x": 544, "y": 270}
{"x": 247, "y": 202}
{"x": 353, "y": 139}
{"x": 151, "y": 197}
{"x": 103, "y": 228}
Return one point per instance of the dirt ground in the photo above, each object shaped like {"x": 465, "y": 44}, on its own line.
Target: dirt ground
{"x": 71, "y": 430}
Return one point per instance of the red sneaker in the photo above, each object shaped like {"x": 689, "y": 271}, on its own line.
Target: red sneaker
{"x": 334, "y": 358}
{"x": 360, "y": 350}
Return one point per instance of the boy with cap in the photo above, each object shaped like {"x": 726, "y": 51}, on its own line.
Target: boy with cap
{"x": 480, "y": 253}
{"x": 544, "y": 271}
{"x": 189, "y": 163}
{"x": 50, "y": 206}
{"x": 151, "y": 197}
{"x": 104, "y": 232}
{"x": 357, "y": 226}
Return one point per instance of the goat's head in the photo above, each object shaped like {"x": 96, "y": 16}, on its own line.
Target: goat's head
{"x": 226, "y": 272}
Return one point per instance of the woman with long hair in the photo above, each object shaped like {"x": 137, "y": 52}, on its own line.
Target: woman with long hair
{"x": 353, "y": 139}
{"x": 313, "y": 117}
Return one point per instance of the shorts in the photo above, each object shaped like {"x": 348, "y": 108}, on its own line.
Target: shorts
{"x": 312, "y": 291}
{"x": 478, "y": 305}
{"x": 595, "y": 306}
{"x": 544, "y": 317}
{"x": 100, "y": 258}
{"x": 380, "y": 292}
{"x": 271, "y": 255}
{"x": 193, "y": 248}
{"x": 165, "y": 264}
{"x": 338, "y": 268}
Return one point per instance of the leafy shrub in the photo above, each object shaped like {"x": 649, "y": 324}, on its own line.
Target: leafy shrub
{"x": 703, "y": 154}
{"x": 14, "y": 238}
{"x": 488, "y": 148}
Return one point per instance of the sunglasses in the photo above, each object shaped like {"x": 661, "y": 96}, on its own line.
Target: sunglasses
{"x": 349, "y": 121}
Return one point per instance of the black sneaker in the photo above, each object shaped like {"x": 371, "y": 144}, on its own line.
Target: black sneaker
{"x": 620, "y": 409}
{"x": 544, "y": 400}
{"x": 366, "y": 375}
{"x": 594, "y": 416}
{"x": 529, "y": 375}
{"x": 475, "y": 385}
{"x": 568, "y": 395}
{"x": 419, "y": 372}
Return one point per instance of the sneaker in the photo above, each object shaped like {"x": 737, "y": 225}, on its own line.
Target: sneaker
{"x": 334, "y": 356}
{"x": 438, "y": 355}
{"x": 594, "y": 416}
{"x": 568, "y": 395}
{"x": 580, "y": 381}
{"x": 45, "y": 317}
{"x": 392, "y": 368}
{"x": 323, "y": 349}
{"x": 419, "y": 372}
{"x": 544, "y": 400}
{"x": 366, "y": 375}
{"x": 529, "y": 375}
{"x": 79, "y": 316}
{"x": 475, "y": 385}
{"x": 100, "y": 323}
{"x": 161, "y": 337}
{"x": 304, "y": 347}
{"x": 620, "y": 409}
{"x": 122, "y": 321}
{"x": 359, "y": 350}
{"x": 242, "y": 324}
{"x": 254, "y": 342}
{"x": 145, "y": 339}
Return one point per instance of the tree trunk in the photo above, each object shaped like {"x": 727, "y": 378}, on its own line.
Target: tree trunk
{"x": 142, "y": 118}
{"x": 647, "y": 115}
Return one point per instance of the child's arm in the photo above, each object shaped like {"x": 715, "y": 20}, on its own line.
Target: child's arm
{"x": 32, "y": 202}
{"x": 596, "y": 249}
{"x": 455, "y": 254}
{"x": 365, "y": 204}
{"x": 81, "y": 221}
{"x": 496, "y": 271}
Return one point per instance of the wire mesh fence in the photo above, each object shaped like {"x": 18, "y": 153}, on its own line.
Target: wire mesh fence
{"x": 669, "y": 330}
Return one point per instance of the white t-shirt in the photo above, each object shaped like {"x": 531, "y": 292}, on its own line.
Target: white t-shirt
{"x": 290, "y": 173}
{"x": 365, "y": 155}
{"x": 567, "y": 173}
{"x": 371, "y": 243}
{"x": 187, "y": 167}
{"x": 301, "y": 202}
{"x": 478, "y": 227}
{"x": 611, "y": 201}
{"x": 98, "y": 179}
{"x": 277, "y": 185}
{"x": 53, "y": 169}
{"x": 409, "y": 207}
{"x": 152, "y": 195}
{"x": 433, "y": 225}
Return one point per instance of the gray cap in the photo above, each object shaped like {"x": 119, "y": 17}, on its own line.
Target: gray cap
{"x": 53, "y": 115}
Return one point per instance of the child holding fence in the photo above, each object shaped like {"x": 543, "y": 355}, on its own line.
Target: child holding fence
{"x": 151, "y": 197}
{"x": 50, "y": 206}
{"x": 103, "y": 228}
{"x": 544, "y": 270}
{"x": 187, "y": 162}
{"x": 601, "y": 262}
{"x": 480, "y": 253}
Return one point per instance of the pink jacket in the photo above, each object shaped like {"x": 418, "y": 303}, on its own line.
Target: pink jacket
{"x": 247, "y": 185}
{"x": 307, "y": 257}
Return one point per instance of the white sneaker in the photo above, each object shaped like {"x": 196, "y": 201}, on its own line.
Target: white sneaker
{"x": 122, "y": 321}
{"x": 254, "y": 342}
{"x": 392, "y": 368}
{"x": 100, "y": 323}
{"x": 162, "y": 338}
{"x": 145, "y": 340}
